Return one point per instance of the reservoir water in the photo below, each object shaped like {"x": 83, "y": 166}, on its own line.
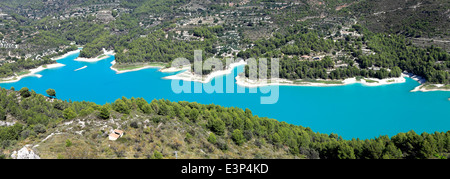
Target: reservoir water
{"x": 351, "y": 111}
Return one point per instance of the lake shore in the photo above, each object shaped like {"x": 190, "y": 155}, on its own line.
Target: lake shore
{"x": 173, "y": 69}
{"x": 32, "y": 72}
{"x": 423, "y": 87}
{"x": 190, "y": 76}
{"x": 137, "y": 68}
{"x": 245, "y": 82}
{"x": 103, "y": 56}
{"x": 431, "y": 87}
{"x": 66, "y": 55}
{"x": 241, "y": 80}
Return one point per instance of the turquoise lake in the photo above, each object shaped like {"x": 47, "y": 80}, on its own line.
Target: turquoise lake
{"x": 352, "y": 111}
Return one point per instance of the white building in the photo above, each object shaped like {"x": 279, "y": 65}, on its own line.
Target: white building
{"x": 115, "y": 134}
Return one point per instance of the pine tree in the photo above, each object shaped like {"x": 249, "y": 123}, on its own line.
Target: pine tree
{"x": 238, "y": 137}
{"x": 212, "y": 138}
{"x": 104, "y": 113}
{"x": 51, "y": 93}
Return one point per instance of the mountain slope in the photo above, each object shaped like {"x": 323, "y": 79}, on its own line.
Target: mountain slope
{"x": 61, "y": 129}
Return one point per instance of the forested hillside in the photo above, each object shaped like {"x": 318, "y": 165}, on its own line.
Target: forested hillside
{"x": 367, "y": 54}
{"x": 412, "y": 18}
{"x": 158, "y": 128}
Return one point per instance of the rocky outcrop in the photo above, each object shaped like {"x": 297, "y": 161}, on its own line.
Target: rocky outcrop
{"x": 25, "y": 153}
{"x": 4, "y": 123}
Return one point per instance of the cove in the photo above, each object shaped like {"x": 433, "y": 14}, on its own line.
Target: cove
{"x": 351, "y": 111}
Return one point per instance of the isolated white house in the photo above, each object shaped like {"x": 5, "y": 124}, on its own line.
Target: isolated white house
{"x": 115, "y": 134}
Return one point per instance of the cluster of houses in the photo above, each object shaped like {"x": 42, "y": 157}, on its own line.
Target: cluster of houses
{"x": 307, "y": 57}
{"x": 68, "y": 11}
{"x": 5, "y": 44}
{"x": 231, "y": 4}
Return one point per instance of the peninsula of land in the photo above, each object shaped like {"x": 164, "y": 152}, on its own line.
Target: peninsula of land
{"x": 32, "y": 72}
{"x": 103, "y": 56}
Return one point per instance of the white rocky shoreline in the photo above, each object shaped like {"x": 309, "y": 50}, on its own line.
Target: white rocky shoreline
{"x": 103, "y": 56}
{"x": 187, "y": 75}
{"x": 245, "y": 82}
{"x": 32, "y": 72}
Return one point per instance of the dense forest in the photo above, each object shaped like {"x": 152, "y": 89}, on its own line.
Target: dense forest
{"x": 157, "y": 48}
{"x": 215, "y": 129}
{"x": 413, "y": 18}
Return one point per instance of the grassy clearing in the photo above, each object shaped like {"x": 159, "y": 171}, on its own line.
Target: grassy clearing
{"x": 359, "y": 78}
{"x": 101, "y": 56}
{"x": 371, "y": 81}
{"x": 24, "y": 72}
{"x": 431, "y": 86}
{"x": 391, "y": 81}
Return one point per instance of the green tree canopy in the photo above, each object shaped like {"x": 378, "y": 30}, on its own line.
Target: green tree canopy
{"x": 51, "y": 93}
{"x": 24, "y": 92}
{"x": 238, "y": 137}
{"x": 104, "y": 113}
